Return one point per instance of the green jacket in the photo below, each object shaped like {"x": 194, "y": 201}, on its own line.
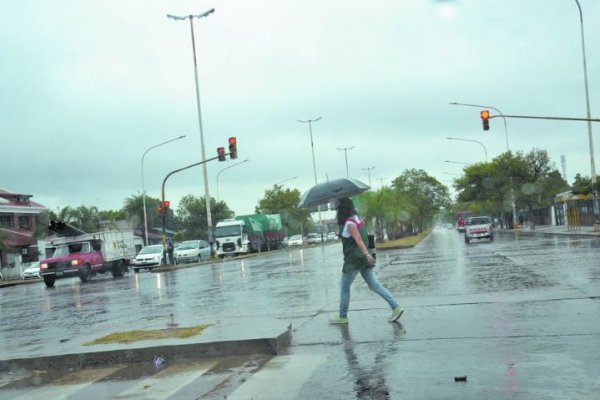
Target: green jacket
{"x": 354, "y": 259}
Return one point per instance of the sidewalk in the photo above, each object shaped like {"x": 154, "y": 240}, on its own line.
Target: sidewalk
{"x": 557, "y": 230}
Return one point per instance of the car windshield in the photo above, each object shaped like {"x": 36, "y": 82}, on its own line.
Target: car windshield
{"x": 188, "y": 245}
{"x": 225, "y": 231}
{"x": 158, "y": 248}
{"x": 70, "y": 248}
{"x": 296, "y": 237}
{"x": 478, "y": 221}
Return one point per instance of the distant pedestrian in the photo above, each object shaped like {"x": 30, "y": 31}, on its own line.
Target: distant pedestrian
{"x": 357, "y": 259}
{"x": 170, "y": 250}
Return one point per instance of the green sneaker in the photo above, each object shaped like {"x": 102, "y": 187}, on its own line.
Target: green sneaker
{"x": 396, "y": 313}
{"x": 338, "y": 320}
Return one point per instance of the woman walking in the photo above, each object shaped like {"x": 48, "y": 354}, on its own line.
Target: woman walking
{"x": 357, "y": 259}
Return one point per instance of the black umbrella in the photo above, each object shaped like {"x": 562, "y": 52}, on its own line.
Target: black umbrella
{"x": 329, "y": 191}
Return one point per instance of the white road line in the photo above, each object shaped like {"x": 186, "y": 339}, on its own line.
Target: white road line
{"x": 167, "y": 382}
{"x": 67, "y": 385}
{"x": 281, "y": 378}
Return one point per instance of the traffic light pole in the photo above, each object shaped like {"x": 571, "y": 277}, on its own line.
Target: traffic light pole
{"x": 164, "y": 215}
{"x": 593, "y": 166}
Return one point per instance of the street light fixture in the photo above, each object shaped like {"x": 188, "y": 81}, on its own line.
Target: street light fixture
{"x": 457, "y": 162}
{"x": 368, "y": 169}
{"x": 204, "y": 170}
{"x": 471, "y": 140}
{"x": 345, "y": 150}
{"x": 278, "y": 184}
{"x": 226, "y": 168}
{"x": 143, "y": 189}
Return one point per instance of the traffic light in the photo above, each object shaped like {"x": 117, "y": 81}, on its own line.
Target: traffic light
{"x": 166, "y": 205}
{"x": 160, "y": 209}
{"x": 221, "y": 153}
{"x": 485, "y": 118}
{"x": 232, "y": 148}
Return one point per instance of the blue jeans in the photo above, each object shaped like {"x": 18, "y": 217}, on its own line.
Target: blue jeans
{"x": 368, "y": 275}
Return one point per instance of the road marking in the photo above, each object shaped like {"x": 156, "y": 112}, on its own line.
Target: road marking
{"x": 64, "y": 387}
{"x": 281, "y": 378}
{"x": 167, "y": 382}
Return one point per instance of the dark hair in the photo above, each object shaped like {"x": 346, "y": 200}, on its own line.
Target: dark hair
{"x": 345, "y": 209}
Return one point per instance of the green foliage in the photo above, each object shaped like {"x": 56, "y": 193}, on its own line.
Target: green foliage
{"x": 191, "y": 220}
{"x": 133, "y": 208}
{"x": 285, "y": 202}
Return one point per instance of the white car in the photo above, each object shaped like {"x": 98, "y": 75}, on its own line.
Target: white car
{"x": 296, "y": 240}
{"x": 331, "y": 236}
{"x": 32, "y": 272}
{"x": 149, "y": 257}
{"x": 192, "y": 251}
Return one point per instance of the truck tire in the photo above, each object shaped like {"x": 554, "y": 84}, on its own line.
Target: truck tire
{"x": 491, "y": 238}
{"x": 85, "y": 274}
{"x": 49, "y": 280}
{"x": 118, "y": 269}
{"x": 136, "y": 270}
{"x": 466, "y": 240}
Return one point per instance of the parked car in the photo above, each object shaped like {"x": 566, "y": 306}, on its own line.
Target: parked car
{"x": 1, "y": 277}
{"x": 32, "y": 272}
{"x": 192, "y": 250}
{"x": 314, "y": 238}
{"x": 149, "y": 257}
{"x": 284, "y": 242}
{"x": 331, "y": 236}
{"x": 295, "y": 240}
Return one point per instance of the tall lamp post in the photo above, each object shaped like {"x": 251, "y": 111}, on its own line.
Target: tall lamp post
{"x": 204, "y": 170}
{"x": 368, "y": 169}
{"x": 226, "y": 168}
{"x": 345, "y": 150}
{"x": 587, "y": 103}
{"x": 143, "y": 189}
{"x": 471, "y": 140}
{"x": 312, "y": 147}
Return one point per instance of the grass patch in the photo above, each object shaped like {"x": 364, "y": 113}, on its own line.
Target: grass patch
{"x": 154, "y": 334}
{"x": 409, "y": 241}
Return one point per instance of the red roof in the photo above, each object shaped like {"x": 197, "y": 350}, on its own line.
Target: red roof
{"x": 18, "y": 200}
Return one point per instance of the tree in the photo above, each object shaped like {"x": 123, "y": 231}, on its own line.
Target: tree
{"x": 295, "y": 220}
{"x": 425, "y": 193}
{"x": 387, "y": 208}
{"x": 191, "y": 220}
{"x": 133, "y": 208}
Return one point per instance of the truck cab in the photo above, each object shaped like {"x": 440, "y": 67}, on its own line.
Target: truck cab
{"x": 78, "y": 258}
{"x": 231, "y": 238}
{"x": 478, "y": 228}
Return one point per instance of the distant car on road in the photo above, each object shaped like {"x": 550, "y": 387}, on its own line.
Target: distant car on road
{"x": 149, "y": 257}
{"x": 192, "y": 250}
{"x": 295, "y": 240}
{"x": 32, "y": 272}
{"x": 478, "y": 228}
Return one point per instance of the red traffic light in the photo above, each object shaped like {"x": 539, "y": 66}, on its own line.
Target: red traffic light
{"x": 232, "y": 148}
{"x": 221, "y": 153}
{"x": 485, "y": 118}
{"x": 166, "y": 204}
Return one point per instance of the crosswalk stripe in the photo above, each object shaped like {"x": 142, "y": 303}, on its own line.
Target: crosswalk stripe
{"x": 67, "y": 385}
{"x": 166, "y": 382}
{"x": 281, "y": 378}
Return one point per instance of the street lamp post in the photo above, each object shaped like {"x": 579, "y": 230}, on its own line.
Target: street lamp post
{"x": 471, "y": 140}
{"x": 588, "y": 111}
{"x": 454, "y": 103}
{"x": 143, "y": 189}
{"x": 226, "y": 168}
{"x": 312, "y": 147}
{"x": 204, "y": 169}
{"x": 457, "y": 162}
{"x": 368, "y": 169}
{"x": 345, "y": 150}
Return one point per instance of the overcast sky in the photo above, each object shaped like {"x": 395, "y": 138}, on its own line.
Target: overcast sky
{"x": 88, "y": 86}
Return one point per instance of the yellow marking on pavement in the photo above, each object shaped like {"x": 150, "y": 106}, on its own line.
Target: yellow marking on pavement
{"x": 281, "y": 378}
{"x": 64, "y": 387}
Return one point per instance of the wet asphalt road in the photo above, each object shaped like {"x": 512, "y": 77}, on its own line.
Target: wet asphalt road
{"x": 518, "y": 317}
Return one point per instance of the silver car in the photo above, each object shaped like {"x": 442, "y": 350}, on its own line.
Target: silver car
{"x": 32, "y": 272}
{"x": 192, "y": 251}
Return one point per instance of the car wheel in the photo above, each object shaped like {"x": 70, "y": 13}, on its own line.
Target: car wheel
{"x": 85, "y": 273}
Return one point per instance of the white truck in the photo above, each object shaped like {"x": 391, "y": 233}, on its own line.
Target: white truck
{"x": 478, "y": 228}
{"x": 88, "y": 254}
{"x": 249, "y": 233}
{"x": 231, "y": 238}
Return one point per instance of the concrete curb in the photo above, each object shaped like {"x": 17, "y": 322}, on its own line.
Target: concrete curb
{"x": 169, "y": 349}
